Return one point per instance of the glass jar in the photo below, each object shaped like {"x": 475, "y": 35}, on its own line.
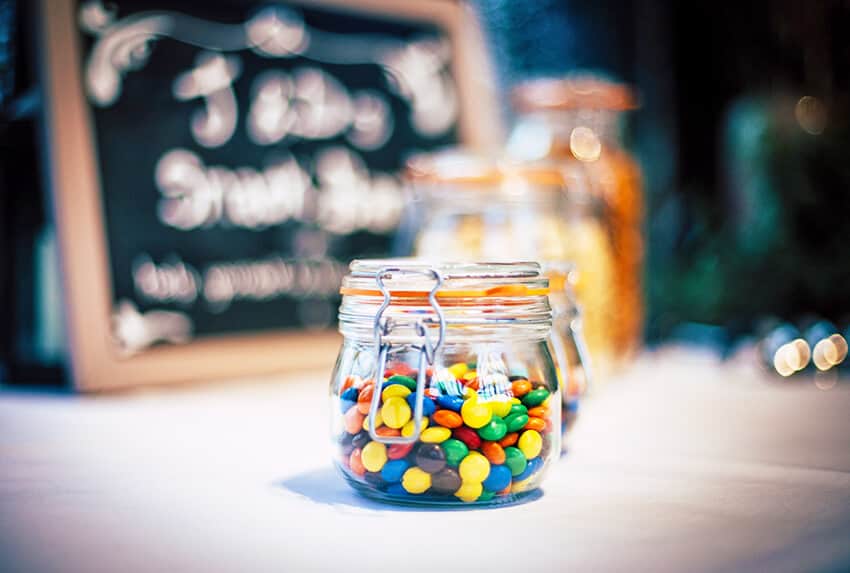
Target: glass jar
{"x": 479, "y": 208}
{"x": 445, "y": 390}
{"x": 576, "y": 122}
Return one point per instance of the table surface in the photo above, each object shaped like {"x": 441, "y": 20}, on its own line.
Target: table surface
{"x": 683, "y": 464}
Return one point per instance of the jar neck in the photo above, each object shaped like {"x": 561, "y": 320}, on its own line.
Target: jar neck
{"x": 527, "y": 318}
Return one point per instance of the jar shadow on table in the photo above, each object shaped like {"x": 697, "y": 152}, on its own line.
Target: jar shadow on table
{"x": 325, "y": 486}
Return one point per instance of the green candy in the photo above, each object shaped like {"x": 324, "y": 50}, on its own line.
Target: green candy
{"x": 516, "y": 422}
{"x": 486, "y": 495}
{"x": 406, "y": 381}
{"x": 455, "y": 451}
{"x": 515, "y": 460}
{"x": 494, "y": 430}
{"x": 535, "y": 397}
{"x": 517, "y": 409}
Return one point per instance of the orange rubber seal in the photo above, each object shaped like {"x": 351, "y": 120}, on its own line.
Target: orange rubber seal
{"x": 496, "y": 291}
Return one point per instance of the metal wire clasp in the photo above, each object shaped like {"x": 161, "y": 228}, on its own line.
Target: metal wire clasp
{"x": 427, "y": 350}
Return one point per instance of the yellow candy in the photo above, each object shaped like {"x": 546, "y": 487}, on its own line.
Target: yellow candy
{"x": 378, "y": 421}
{"x": 474, "y": 468}
{"x": 500, "y": 406}
{"x": 470, "y": 376}
{"x": 435, "y": 435}
{"x": 415, "y": 480}
{"x": 407, "y": 430}
{"x": 521, "y": 486}
{"x": 515, "y": 400}
{"x": 475, "y": 414}
{"x": 530, "y": 443}
{"x": 470, "y": 394}
{"x": 469, "y": 491}
{"x": 458, "y": 370}
{"x": 395, "y": 412}
{"x": 374, "y": 456}
{"x": 395, "y": 390}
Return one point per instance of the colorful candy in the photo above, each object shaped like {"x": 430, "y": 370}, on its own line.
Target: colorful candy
{"x": 469, "y": 491}
{"x": 478, "y": 441}
{"x": 448, "y": 419}
{"x": 474, "y": 468}
{"x": 475, "y": 414}
{"x": 435, "y": 435}
{"x": 430, "y": 457}
{"x": 530, "y": 443}
{"x": 395, "y": 412}
{"x": 455, "y": 451}
{"x": 415, "y": 481}
{"x": 493, "y": 430}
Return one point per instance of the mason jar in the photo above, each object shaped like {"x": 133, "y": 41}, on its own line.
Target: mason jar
{"x": 445, "y": 391}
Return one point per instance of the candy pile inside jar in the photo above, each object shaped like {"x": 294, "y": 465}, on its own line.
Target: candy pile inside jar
{"x": 472, "y": 447}
{"x": 472, "y": 415}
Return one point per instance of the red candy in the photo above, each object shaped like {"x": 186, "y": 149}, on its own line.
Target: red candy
{"x": 468, "y": 436}
{"x": 399, "y": 368}
{"x": 398, "y": 451}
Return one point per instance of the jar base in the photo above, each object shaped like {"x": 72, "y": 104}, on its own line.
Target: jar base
{"x": 442, "y": 502}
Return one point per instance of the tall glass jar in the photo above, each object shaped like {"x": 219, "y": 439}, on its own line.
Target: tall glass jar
{"x": 576, "y": 122}
{"x": 478, "y": 207}
{"x": 445, "y": 390}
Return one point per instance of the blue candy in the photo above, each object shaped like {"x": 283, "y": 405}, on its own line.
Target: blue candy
{"x": 499, "y": 478}
{"x": 427, "y": 404}
{"x": 450, "y": 402}
{"x": 393, "y": 470}
{"x": 350, "y": 394}
{"x": 396, "y": 490}
{"x": 533, "y": 465}
{"x": 344, "y": 405}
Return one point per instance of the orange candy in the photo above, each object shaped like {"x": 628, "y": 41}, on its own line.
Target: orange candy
{"x": 448, "y": 419}
{"x": 364, "y": 399}
{"x": 352, "y": 382}
{"x": 538, "y": 412}
{"x": 388, "y": 432}
{"x": 509, "y": 439}
{"x": 521, "y": 387}
{"x": 493, "y": 452}
{"x": 355, "y": 463}
{"x": 535, "y": 424}
{"x": 353, "y": 421}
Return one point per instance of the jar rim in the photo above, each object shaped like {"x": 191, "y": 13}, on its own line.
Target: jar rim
{"x": 573, "y": 92}
{"x": 468, "y": 168}
{"x": 416, "y": 277}
{"x": 486, "y": 294}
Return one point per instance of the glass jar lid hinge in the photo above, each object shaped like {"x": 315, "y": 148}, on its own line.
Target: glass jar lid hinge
{"x": 383, "y": 326}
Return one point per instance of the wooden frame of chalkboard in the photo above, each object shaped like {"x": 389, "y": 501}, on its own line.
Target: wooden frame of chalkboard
{"x": 73, "y": 177}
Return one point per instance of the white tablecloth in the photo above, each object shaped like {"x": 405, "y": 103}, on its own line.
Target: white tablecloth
{"x": 685, "y": 464}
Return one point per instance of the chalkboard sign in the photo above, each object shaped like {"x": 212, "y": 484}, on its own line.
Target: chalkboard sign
{"x": 216, "y": 164}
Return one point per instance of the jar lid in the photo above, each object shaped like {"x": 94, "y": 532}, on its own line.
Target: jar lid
{"x": 463, "y": 167}
{"x": 574, "y": 92}
{"x": 402, "y": 298}
{"x": 416, "y": 278}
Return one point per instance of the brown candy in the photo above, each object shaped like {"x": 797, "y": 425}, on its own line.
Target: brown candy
{"x": 430, "y": 457}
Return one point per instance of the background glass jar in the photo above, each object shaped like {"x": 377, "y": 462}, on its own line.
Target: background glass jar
{"x": 576, "y": 122}
{"x": 475, "y": 207}
{"x": 445, "y": 390}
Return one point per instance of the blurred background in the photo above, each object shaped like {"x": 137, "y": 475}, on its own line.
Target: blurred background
{"x": 726, "y": 128}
